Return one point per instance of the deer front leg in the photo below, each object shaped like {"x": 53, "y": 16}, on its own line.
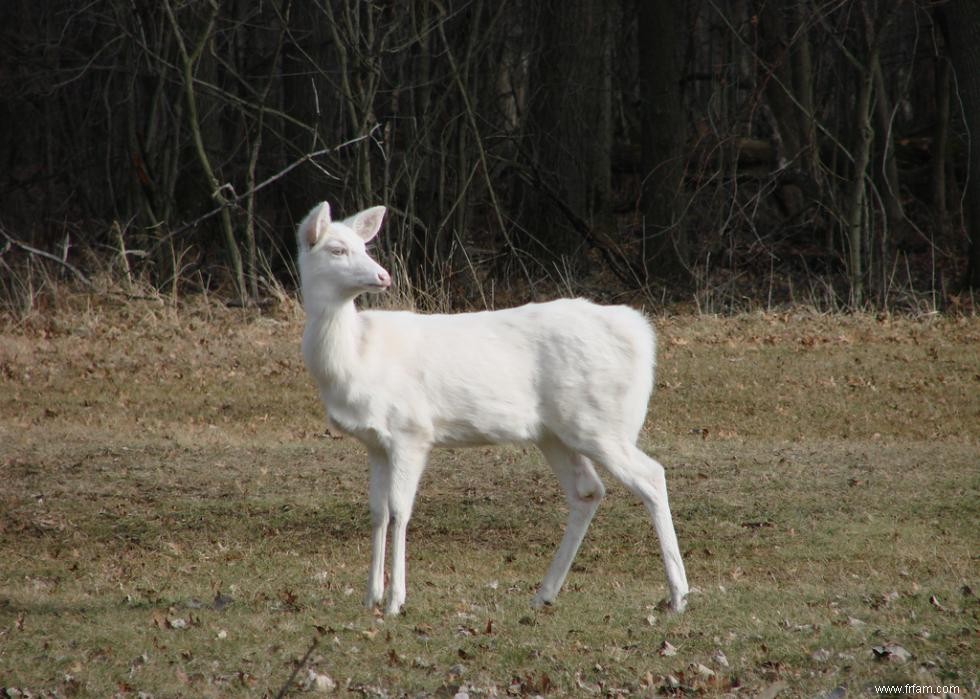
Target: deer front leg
{"x": 407, "y": 464}
{"x": 378, "y": 499}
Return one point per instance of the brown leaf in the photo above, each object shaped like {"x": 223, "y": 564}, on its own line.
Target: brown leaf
{"x": 159, "y": 619}
{"x": 666, "y": 649}
{"x": 546, "y": 684}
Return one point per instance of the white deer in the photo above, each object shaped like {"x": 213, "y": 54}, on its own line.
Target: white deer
{"x": 570, "y": 376}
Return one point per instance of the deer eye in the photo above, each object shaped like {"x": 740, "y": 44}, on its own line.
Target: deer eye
{"x": 338, "y": 252}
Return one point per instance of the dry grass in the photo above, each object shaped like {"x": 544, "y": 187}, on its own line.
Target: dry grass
{"x": 171, "y": 522}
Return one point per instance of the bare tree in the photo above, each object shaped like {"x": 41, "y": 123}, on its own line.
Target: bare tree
{"x": 962, "y": 23}
{"x": 663, "y": 138}
{"x": 569, "y": 124}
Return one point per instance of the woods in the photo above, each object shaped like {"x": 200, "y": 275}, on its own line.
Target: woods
{"x": 729, "y": 151}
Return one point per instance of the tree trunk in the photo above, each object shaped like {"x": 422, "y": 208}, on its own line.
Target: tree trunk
{"x": 664, "y": 134}
{"x": 941, "y": 141}
{"x": 962, "y": 20}
{"x": 187, "y": 61}
{"x": 570, "y": 125}
{"x": 854, "y": 207}
{"x": 777, "y": 77}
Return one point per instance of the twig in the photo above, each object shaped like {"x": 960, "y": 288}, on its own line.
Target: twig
{"x": 234, "y": 200}
{"x": 628, "y": 276}
{"x": 771, "y": 75}
{"x": 284, "y": 690}
{"x": 47, "y": 255}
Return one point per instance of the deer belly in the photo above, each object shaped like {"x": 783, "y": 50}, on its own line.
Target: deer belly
{"x": 491, "y": 425}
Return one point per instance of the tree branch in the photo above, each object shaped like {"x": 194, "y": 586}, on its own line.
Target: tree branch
{"x": 48, "y": 256}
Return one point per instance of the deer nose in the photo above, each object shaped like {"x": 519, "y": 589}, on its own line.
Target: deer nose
{"x": 384, "y": 279}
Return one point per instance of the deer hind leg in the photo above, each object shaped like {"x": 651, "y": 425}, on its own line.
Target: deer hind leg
{"x": 645, "y": 477}
{"x": 583, "y": 491}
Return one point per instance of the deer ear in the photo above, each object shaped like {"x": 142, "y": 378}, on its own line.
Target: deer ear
{"x": 315, "y": 225}
{"x": 368, "y": 222}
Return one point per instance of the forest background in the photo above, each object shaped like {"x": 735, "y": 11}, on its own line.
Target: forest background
{"x": 725, "y": 153}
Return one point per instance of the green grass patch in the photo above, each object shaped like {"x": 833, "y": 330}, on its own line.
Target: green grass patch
{"x": 171, "y": 522}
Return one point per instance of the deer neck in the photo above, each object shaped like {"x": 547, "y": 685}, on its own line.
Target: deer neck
{"x": 331, "y": 343}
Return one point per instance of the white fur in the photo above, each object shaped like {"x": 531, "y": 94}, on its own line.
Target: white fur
{"x": 570, "y": 376}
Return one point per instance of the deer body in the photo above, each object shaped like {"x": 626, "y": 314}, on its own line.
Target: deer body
{"x": 570, "y": 376}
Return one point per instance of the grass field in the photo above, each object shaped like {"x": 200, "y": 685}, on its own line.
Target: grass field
{"x": 172, "y": 522}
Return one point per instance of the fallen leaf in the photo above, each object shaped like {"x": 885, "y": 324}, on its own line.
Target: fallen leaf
{"x": 666, "y": 649}
{"x": 702, "y": 671}
{"x": 140, "y": 660}
{"x": 318, "y": 681}
{"x": 394, "y": 659}
{"x": 159, "y": 619}
{"x": 718, "y": 657}
{"x": 889, "y": 597}
{"x": 821, "y": 655}
{"x": 934, "y": 601}
{"x": 772, "y": 690}
{"x": 891, "y": 652}
{"x": 586, "y": 686}
{"x": 221, "y": 601}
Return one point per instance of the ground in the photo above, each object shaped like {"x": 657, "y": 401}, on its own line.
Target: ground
{"x": 174, "y": 523}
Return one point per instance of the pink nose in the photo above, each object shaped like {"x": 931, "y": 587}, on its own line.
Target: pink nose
{"x": 384, "y": 279}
